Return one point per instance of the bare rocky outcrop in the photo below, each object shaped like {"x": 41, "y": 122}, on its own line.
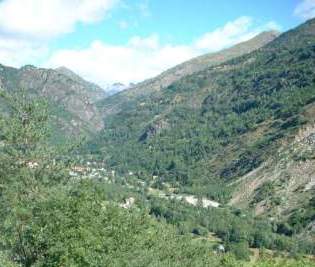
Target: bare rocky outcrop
{"x": 73, "y": 99}
{"x": 154, "y": 129}
{"x": 290, "y": 174}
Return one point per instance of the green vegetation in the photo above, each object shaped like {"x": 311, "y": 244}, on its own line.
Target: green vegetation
{"x": 235, "y": 228}
{"x": 212, "y": 127}
{"x": 51, "y": 219}
{"x": 203, "y": 132}
{"x": 47, "y": 219}
{"x": 197, "y": 136}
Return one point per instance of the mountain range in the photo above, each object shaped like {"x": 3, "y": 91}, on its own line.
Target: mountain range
{"x": 236, "y": 126}
{"x": 184, "y": 69}
{"x": 76, "y": 102}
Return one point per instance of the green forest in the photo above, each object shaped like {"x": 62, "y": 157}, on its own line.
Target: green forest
{"x": 160, "y": 182}
{"x": 49, "y": 218}
{"x": 218, "y": 124}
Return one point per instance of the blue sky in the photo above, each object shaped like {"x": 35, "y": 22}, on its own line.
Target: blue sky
{"x": 179, "y": 21}
{"x": 109, "y": 41}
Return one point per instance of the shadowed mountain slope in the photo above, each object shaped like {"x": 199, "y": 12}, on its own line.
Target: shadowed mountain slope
{"x": 71, "y": 98}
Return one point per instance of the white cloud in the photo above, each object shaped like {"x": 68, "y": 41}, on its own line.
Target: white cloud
{"x": 305, "y": 9}
{"x": 27, "y": 26}
{"x": 231, "y": 33}
{"x": 142, "y": 58}
{"x": 151, "y": 42}
{"x": 16, "y": 52}
{"x": 49, "y": 18}
{"x": 272, "y": 25}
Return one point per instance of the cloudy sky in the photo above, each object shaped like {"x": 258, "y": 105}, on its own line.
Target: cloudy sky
{"x": 108, "y": 41}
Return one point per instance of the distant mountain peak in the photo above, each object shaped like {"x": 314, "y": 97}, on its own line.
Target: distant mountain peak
{"x": 72, "y": 75}
{"x": 118, "y": 84}
{"x": 265, "y": 36}
{"x": 115, "y": 88}
{"x": 68, "y": 72}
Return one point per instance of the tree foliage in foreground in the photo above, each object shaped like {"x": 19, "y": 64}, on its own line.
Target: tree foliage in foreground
{"x": 49, "y": 220}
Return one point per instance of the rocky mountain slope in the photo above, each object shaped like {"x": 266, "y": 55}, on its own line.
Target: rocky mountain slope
{"x": 71, "y": 98}
{"x": 117, "y": 102}
{"x": 284, "y": 185}
{"x": 231, "y": 132}
{"x": 95, "y": 93}
{"x": 74, "y": 100}
{"x": 202, "y": 62}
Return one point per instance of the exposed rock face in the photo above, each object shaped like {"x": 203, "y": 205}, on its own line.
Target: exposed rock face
{"x": 75, "y": 98}
{"x": 96, "y": 93}
{"x": 153, "y": 129}
{"x": 291, "y": 172}
{"x": 72, "y": 97}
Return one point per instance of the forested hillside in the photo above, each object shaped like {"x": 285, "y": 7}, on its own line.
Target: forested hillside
{"x": 211, "y": 128}
{"x": 52, "y": 218}
{"x": 212, "y": 163}
{"x": 241, "y": 133}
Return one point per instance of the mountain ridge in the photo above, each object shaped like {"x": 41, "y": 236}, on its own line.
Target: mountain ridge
{"x": 71, "y": 97}
{"x": 115, "y": 103}
{"x": 209, "y": 59}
